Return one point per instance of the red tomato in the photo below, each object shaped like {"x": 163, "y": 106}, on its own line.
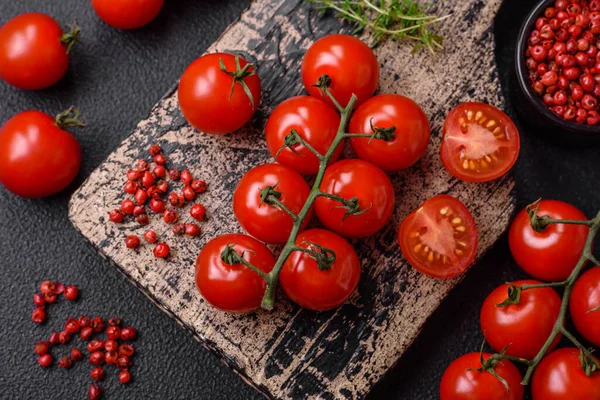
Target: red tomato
{"x": 480, "y": 143}
{"x": 523, "y": 327}
{"x": 37, "y": 158}
{"x": 440, "y": 237}
{"x": 206, "y": 99}
{"x": 349, "y": 62}
{"x": 315, "y": 289}
{"x": 234, "y": 288}
{"x": 584, "y": 298}
{"x": 34, "y": 51}
{"x": 127, "y": 14}
{"x": 266, "y": 222}
{"x": 462, "y": 381}
{"x": 552, "y": 254}
{"x": 411, "y": 135}
{"x": 356, "y": 179}
{"x": 316, "y": 122}
{"x": 560, "y": 376}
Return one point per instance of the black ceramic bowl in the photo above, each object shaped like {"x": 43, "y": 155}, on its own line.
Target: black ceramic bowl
{"x": 530, "y": 106}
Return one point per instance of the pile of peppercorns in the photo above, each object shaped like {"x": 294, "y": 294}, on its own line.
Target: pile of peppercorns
{"x": 152, "y": 186}
{"x": 563, "y": 59}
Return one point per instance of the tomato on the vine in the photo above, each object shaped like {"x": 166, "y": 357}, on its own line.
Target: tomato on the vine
{"x": 368, "y": 185}
{"x": 229, "y": 286}
{"x": 265, "y": 221}
{"x": 348, "y": 61}
{"x": 127, "y": 14}
{"x": 550, "y": 255}
{"x": 38, "y": 157}
{"x": 521, "y": 329}
{"x": 560, "y": 376}
{"x": 463, "y": 381}
{"x": 320, "y": 289}
{"x": 411, "y": 135}
{"x": 314, "y": 121}
{"x": 584, "y": 304}
{"x": 205, "y": 93}
{"x": 34, "y": 52}
{"x": 440, "y": 237}
{"x": 480, "y": 143}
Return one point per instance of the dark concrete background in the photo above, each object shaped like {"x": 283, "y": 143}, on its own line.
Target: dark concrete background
{"x": 115, "y": 78}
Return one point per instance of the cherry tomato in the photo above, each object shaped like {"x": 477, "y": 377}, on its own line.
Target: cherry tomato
{"x": 263, "y": 221}
{"x": 462, "y": 381}
{"x": 552, "y": 254}
{"x": 361, "y": 180}
{"x": 440, "y": 237}
{"x": 320, "y": 290}
{"x": 34, "y": 51}
{"x": 205, "y": 95}
{"x": 585, "y": 298}
{"x": 560, "y": 376}
{"x": 349, "y": 62}
{"x": 127, "y": 14}
{"x": 234, "y": 288}
{"x": 480, "y": 143}
{"x": 37, "y": 157}
{"x": 523, "y": 327}
{"x": 315, "y": 121}
{"x": 410, "y": 137}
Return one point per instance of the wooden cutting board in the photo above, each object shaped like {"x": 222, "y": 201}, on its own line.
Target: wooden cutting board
{"x": 290, "y": 352}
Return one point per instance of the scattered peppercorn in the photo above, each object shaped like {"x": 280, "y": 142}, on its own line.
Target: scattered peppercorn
{"x": 113, "y": 332}
{"x": 150, "y": 237}
{"x": 124, "y": 377}
{"x": 72, "y": 325}
{"x": 128, "y": 333}
{"x": 95, "y": 345}
{"x": 132, "y": 241}
{"x": 161, "y": 250}
{"x": 39, "y": 300}
{"x": 64, "y": 337}
{"x": 192, "y": 230}
{"x": 116, "y": 216}
{"x": 97, "y": 358}
{"x": 198, "y": 186}
{"x": 97, "y": 324}
{"x": 76, "y": 354}
{"x": 41, "y": 347}
{"x": 97, "y": 374}
{"x": 179, "y": 229}
{"x": 38, "y": 315}
{"x": 45, "y": 360}
{"x": 86, "y": 333}
{"x": 54, "y": 338}
{"x": 198, "y": 212}
{"x": 85, "y": 321}
{"x": 126, "y": 350}
{"x": 65, "y": 362}
{"x": 95, "y": 392}
{"x": 71, "y": 293}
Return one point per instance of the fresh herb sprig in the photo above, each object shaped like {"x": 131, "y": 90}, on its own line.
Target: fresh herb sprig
{"x": 395, "y": 19}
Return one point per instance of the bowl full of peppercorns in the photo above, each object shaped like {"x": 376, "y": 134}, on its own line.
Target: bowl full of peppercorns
{"x": 557, "y": 69}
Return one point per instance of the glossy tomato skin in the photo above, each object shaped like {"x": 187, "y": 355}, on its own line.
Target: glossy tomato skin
{"x": 552, "y": 254}
{"x": 480, "y": 143}
{"x": 37, "y": 158}
{"x": 440, "y": 238}
{"x": 32, "y": 56}
{"x": 462, "y": 381}
{"x": 349, "y": 62}
{"x": 363, "y": 180}
{"x": 520, "y": 328}
{"x": 127, "y": 14}
{"x": 233, "y": 288}
{"x": 263, "y": 221}
{"x": 559, "y": 376}
{"x": 585, "y": 297}
{"x": 204, "y": 95}
{"x": 314, "y": 120}
{"x": 306, "y": 285}
{"x": 411, "y": 136}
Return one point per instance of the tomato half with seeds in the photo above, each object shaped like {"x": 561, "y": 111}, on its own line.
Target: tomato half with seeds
{"x": 127, "y": 14}
{"x": 584, "y": 304}
{"x": 440, "y": 237}
{"x": 233, "y": 287}
{"x": 320, "y": 289}
{"x": 480, "y": 143}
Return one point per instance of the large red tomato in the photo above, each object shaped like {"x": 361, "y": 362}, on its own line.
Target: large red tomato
{"x": 552, "y": 254}
{"x": 34, "y": 51}
{"x": 462, "y": 381}
{"x": 127, "y": 14}
{"x": 410, "y": 137}
{"x": 440, "y": 237}
{"x": 585, "y": 297}
{"x": 350, "y": 64}
{"x": 315, "y": 121}
{"x": 37, "y": 157}
{"x": 361, "y": 180}
{"x": 263, "y": 221}
{"x": 233, "y": 287}
{"x": 315, "y": 289}
{"x": 205, "y": 95}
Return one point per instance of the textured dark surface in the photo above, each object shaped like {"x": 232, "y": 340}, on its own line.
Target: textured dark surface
{"x": 115, "y": 78}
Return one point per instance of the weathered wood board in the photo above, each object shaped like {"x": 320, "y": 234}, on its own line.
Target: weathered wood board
{"x": 290, "y": 352}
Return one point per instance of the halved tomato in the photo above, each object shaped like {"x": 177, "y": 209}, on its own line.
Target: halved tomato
{"x": 480, "y": 143}
{"x": 439, "y": 238}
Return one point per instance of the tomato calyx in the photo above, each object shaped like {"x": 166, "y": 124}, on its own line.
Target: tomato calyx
{"x": 514, "y": 296}
{"x": 323, "y": 256}
{"x": 292, "y": 139}
{"x": 589, "y": 363}
{"x": 70, "y": 38}
{"x": 238, "y": 77}
{"x": 489, "y": 365}
{"x": 69, "y": 118}
{"x": 323, "y": 83}
{"x": 351, "y": 205}
{"x": 385, "y": 134}
{"x": 231, "y": 257}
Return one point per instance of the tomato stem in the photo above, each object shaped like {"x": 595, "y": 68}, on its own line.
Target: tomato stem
{"x": 70, "y": 38}
{"x": 69, "y": 118}
{"x": 238, "y": 77}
